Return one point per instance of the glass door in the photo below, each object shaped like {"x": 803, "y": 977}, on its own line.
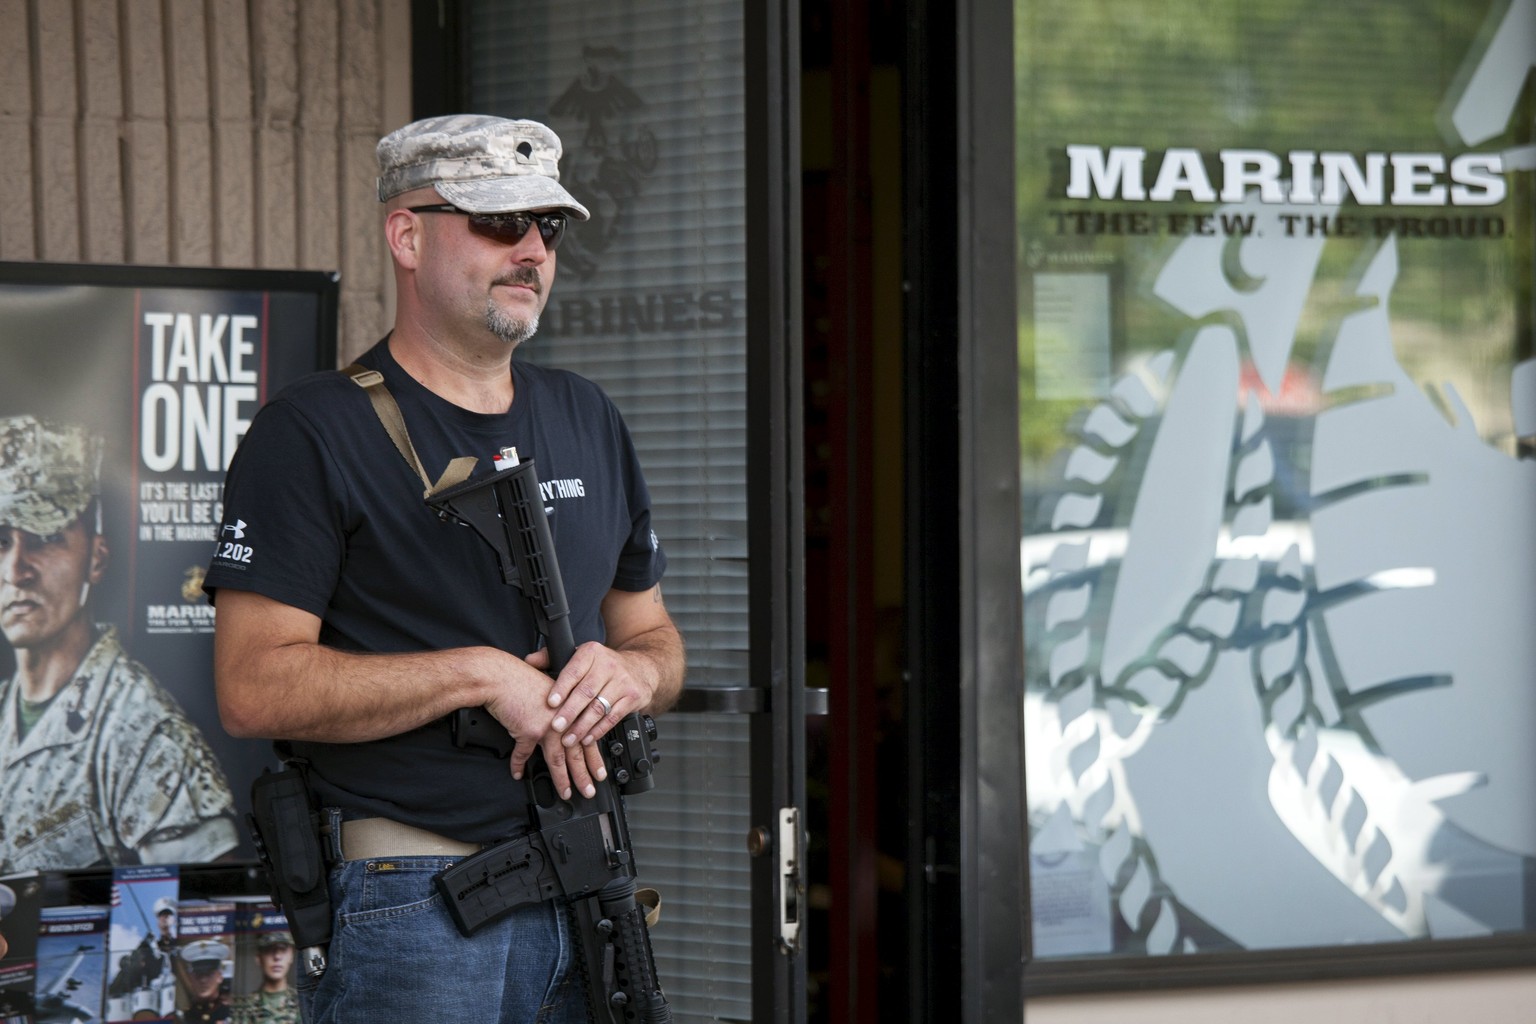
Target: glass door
{"x": 678, "y": 298}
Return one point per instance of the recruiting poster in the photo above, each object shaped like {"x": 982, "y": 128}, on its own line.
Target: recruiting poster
{"x": 21, "y": 900}
{"x": 142, "y": 931}
{"x": 265, "y": 982}
{"x": 72, "y": 962}
{"x": 124, "y": 394}
{"x": 203, "y": 962}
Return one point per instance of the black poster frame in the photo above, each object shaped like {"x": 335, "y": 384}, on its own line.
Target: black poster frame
{"x": 117, "y": 350}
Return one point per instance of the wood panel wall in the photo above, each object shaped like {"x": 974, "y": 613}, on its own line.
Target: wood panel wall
{"x": 219, "y": 133}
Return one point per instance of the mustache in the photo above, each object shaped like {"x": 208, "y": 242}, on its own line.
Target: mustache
{"x": 524, "y": 276}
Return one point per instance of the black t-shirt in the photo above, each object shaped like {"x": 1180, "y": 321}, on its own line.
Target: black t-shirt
{"x": 322, "y": 513}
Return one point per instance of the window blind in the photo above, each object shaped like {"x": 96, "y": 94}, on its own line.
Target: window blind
{"x": 649, "y": 302}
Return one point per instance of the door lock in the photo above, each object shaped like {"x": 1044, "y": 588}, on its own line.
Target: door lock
{"x": 791, "y": 883}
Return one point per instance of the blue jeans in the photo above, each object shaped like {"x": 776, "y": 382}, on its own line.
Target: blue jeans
{"x": 396, "y": 956}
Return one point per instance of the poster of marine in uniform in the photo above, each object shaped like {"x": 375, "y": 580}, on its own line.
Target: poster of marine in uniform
{"x": 124, "y": 394}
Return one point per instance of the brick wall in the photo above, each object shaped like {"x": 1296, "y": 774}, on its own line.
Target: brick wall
{"x": 224, "y": 133}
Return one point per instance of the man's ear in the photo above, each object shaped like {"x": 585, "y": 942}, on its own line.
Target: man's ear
{"x": 402, "y": 231}
{"x": 101, "y": 557}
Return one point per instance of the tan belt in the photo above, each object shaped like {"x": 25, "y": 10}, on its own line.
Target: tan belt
{"x": 372, "y": 838}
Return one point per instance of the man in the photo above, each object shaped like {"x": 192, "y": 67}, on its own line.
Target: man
{"x": 165, "y": 920}
{"x": 275, "y": 1002}
{"x": 201, "y": 969}
{"x": 98, "y": 764}
{"x": 360, "y": 621}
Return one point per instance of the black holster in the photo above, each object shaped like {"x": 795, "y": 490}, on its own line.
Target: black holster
{"x": 286, "y": 829}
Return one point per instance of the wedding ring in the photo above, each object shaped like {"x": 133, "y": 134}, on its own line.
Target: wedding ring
{"x": 607, "y": 707}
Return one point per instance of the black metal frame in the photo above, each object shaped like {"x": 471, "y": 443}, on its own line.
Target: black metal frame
{"x": 966, "y": 934}
{"x": 935, "y": 776}
{"x": 323, "y": 284}
{"x": 1001, "y": 973}
{"x": 439, "y": 72}
{"x": 775, "y": 486}
{"x": 1311, "y": 964}
{"x": 992, "y": 868}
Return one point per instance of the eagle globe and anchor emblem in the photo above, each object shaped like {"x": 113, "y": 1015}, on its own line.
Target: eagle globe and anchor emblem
{"x": 607, "y": 168}
{"x": 1317, "y": 585}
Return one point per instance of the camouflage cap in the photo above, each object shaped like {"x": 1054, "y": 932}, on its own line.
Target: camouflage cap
{"x": 478, "y": 163}
{"x": 48, "y": 474}
{"x": 271, "y": 940}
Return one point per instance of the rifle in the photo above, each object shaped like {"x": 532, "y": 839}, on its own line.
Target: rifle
{"x": 578, "y": 848}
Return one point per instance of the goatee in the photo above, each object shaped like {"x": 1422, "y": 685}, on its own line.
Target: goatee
{"x": 502, "y": 324}
{"x": 507, "y": 327}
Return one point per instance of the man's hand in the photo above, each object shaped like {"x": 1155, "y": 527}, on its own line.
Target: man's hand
{"x": 593, "y": 672}
{"x": 640, "y": 669}
{"x": 524, "y": 712}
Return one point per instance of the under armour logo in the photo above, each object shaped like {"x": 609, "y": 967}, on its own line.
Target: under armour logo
{"x": 235, "y": 529}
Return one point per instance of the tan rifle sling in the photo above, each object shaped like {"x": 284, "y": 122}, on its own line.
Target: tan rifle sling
{"x": 372, "y": 381}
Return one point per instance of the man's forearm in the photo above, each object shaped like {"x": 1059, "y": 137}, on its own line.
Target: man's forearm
{"x": 306, "y": 691}
{"x": 658, "y": 657}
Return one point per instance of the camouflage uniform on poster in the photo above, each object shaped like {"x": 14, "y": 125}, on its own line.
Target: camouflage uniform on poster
{"x": 263, "y": 1007}
{"x": 98, "y": 764}
{"x": 276, "y": 1002}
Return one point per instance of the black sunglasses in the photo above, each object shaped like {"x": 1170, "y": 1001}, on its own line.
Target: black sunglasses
{"x": 508, "y": 228}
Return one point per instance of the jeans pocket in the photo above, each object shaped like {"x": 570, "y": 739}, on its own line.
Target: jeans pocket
{"x": 396, "y": 955}
{"x": 382, "y": 890}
